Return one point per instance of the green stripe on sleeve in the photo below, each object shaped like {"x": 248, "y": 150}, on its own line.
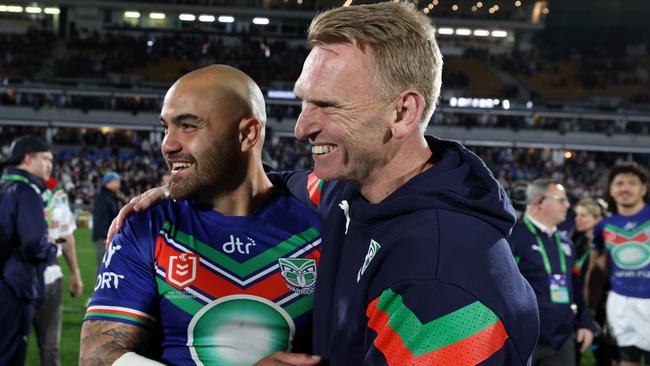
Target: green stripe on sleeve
{"x": 450, "y": 328}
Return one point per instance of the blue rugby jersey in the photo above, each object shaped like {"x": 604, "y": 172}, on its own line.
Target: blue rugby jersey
{"x": 224, "y": 290}
{"x": 627, "y": 242}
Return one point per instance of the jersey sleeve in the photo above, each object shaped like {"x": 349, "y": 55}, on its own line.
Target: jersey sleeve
{"x": 305, "y": 186}
{"x": 407, "y": 327}
{"x": 125, "y": 289}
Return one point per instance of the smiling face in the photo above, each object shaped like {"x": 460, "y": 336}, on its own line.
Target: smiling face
{"x": 343, "y": 115}
{"x": 200, "y": 144}
{"x": 628, "y": 190}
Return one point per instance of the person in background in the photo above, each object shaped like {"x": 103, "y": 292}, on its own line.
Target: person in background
{"x": 546, "y": 257}
{"x": 587, "y": 214}
{"x": 24, "y": 247}
{"x": 47, "y": 317}
{"x": 106, "y": 205}
{"x": 622, "y": 250}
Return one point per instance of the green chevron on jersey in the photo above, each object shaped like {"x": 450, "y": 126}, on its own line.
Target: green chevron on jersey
{"x": 181, "y": 299}
{"x": 250, "y": 266}
{"x": 619, "y": 230}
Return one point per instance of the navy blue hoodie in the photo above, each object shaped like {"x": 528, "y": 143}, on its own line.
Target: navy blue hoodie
{"x": 424, "y": 277}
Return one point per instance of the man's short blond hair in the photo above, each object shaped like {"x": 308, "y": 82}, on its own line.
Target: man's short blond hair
{"x": 402, "y": 42}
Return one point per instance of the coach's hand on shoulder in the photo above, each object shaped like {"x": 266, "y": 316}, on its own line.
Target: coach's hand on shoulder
{"x": 288, "y": 359}
{"x": 136, "y": 204}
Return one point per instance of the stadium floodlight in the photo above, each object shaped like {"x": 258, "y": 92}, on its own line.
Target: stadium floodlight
{"x": 33, "y": 10}
{"x": 157, "y": 16}
{"x": 445, "y": 30}
{"x": 481, "y": 32}
{"x": 14, "y": 9}
{"x": 132, "y": 14}
{"x": 280, "y": 94}
{"x": 499, "y": 33}
{"x": 52, "y": 11}
{"x": 260, "y": 21}
{"x": 205, "y": 18}
{"x": 463, "y": 32}
{"x": 187, "y": 17}
{"x": 226, "y": 19}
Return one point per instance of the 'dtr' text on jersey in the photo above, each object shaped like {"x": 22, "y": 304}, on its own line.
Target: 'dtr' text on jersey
{"x": 223, "y": 290}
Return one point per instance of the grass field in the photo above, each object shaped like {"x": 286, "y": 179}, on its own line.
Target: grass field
{"x": 73, "y": 309}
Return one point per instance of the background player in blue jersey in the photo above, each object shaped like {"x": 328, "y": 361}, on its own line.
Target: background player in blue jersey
{"x": 415, "y": 267}
{"x": 224, "y": 274}
{"x": 622, "y": 243}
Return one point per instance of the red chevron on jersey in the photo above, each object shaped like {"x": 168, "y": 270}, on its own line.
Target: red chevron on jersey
{"x": 314, "y": 186}
{"x": 216, "y": 281}
{"x": 466, "y": 336}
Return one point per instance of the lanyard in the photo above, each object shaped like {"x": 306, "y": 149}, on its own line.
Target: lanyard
{"x": 542, "y": 249}
{"x": 23, "y": 179}
{"x": 15, "y": 178}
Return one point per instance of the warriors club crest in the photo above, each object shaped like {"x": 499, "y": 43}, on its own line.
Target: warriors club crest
{"x": 299, "y": 273}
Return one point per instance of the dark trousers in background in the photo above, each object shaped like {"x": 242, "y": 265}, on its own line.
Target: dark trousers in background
{"x": 100, "y": 249}
{"x": 47, "y": 324}
{"x": 15, "y": 318}
{"x": 547, "y": 356}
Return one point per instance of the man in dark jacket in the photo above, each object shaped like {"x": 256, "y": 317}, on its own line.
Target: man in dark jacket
{"x": 545, "y": 257}
{"x": 106, "y": 205}
{"x": 24, "y": 248}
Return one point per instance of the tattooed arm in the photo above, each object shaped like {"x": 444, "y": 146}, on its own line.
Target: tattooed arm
{"x": 103, "y": 342}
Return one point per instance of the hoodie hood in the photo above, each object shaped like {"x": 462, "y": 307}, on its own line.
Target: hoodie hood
{"x": 458, "y": 181}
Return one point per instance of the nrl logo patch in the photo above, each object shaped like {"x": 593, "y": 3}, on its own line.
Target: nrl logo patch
{"x": 300, "y": 274}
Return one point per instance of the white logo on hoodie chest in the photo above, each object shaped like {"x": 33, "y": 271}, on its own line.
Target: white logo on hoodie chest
{"x": 346, "y": 211}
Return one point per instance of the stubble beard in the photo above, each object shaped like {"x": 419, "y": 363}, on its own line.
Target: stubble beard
{"x": 211, "y": 178}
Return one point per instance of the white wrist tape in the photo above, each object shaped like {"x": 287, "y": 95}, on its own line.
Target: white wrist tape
{"x": 134, "y": 359}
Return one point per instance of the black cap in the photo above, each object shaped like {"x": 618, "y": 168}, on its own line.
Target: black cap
{"x": 25, "y": 145}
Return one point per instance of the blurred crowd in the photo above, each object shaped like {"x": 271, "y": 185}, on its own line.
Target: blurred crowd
{"x": 135, "y": 57}
{"x": 82, "y": 156}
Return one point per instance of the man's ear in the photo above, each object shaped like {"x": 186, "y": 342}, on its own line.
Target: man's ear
{"x": 250, "y": 133}
{"x": 409, "y": 108}
{"x": 27, "y": 159}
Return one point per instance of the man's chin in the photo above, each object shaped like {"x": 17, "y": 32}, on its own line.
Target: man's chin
{"x": 180, "y": 191}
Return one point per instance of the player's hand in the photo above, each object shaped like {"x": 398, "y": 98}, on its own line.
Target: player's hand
{"x": 288, "y": 359}
{"x": 76, "y": 286}
{"x": 585, "y": 337}
{"x": 136, "y": 204}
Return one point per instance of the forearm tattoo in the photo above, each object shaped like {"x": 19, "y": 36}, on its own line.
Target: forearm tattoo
{"x": 103, "y": 342}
